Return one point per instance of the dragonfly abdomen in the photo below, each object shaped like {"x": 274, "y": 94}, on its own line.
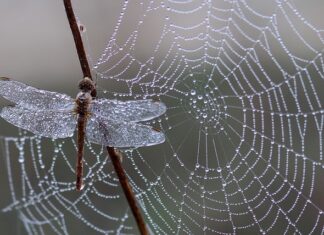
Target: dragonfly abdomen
{"x": 82, "y": 109}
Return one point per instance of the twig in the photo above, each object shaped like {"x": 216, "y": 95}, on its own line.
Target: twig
{"x": 115, "y": 158}
{"x": 77, "y": 39}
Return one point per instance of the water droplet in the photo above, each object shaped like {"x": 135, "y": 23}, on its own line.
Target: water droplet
{"x": 193, "y": 92}
{"x": 21, "y": 159}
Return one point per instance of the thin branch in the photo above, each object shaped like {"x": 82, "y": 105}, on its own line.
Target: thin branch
{"x": 115, "y": 158}
{"x": 77, "y": 39}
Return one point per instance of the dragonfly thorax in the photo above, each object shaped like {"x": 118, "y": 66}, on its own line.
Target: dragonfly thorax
{"x": 83, "y": 101}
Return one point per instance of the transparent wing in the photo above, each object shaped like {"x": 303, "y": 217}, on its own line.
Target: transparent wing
{"x": 121, "y": 134}
{"x": 129, "y": 111}
{"x": 32, "y": 98}
{"x": 47, "y": 123}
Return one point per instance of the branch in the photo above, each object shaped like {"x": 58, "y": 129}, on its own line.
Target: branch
{"x": 77, "y": 39}
{"x": 115, "y": 158}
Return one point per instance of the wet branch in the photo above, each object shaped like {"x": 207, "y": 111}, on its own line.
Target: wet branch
{"x": 115, "y": 158}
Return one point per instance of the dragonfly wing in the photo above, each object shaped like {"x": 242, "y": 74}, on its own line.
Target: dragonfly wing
{"x": 129, "y": 111}
{"x": 121, "y": 134}
{"x": 32, "y": 98}
{"x": 47, "y": 123}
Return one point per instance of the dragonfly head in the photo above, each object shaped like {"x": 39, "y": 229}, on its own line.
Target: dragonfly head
{"x": 86, "y": 85}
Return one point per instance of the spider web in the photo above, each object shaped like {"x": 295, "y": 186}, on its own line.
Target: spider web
{"x": 243, "y": 83}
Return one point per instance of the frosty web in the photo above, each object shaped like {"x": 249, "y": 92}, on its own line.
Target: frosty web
{"x": 243, "y": 82}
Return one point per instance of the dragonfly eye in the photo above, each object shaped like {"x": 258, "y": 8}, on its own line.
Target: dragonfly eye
{"x": 86, "y": 85}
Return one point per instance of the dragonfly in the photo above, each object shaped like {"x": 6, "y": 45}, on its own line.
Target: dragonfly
{"x": 107, "y": 122}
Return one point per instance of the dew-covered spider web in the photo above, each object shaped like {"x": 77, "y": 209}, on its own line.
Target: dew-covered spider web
{"x": 244, "y": 85}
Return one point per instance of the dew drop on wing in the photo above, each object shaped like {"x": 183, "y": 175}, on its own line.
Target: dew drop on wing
{"x": 46, "y": 123}
{"x": 129, "y": 111}
{"x": 120, "y": 134}
{"x": 33, "y": 98}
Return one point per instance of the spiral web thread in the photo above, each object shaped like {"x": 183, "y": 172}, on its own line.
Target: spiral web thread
{"x": 243, "y": 83}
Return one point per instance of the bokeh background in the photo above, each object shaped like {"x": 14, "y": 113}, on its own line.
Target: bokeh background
{"x": 36, "y": 47}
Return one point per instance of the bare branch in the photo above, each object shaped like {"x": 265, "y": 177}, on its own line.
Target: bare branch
{"x": 115, "y": 158}
{"x": 77, "y": 39}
